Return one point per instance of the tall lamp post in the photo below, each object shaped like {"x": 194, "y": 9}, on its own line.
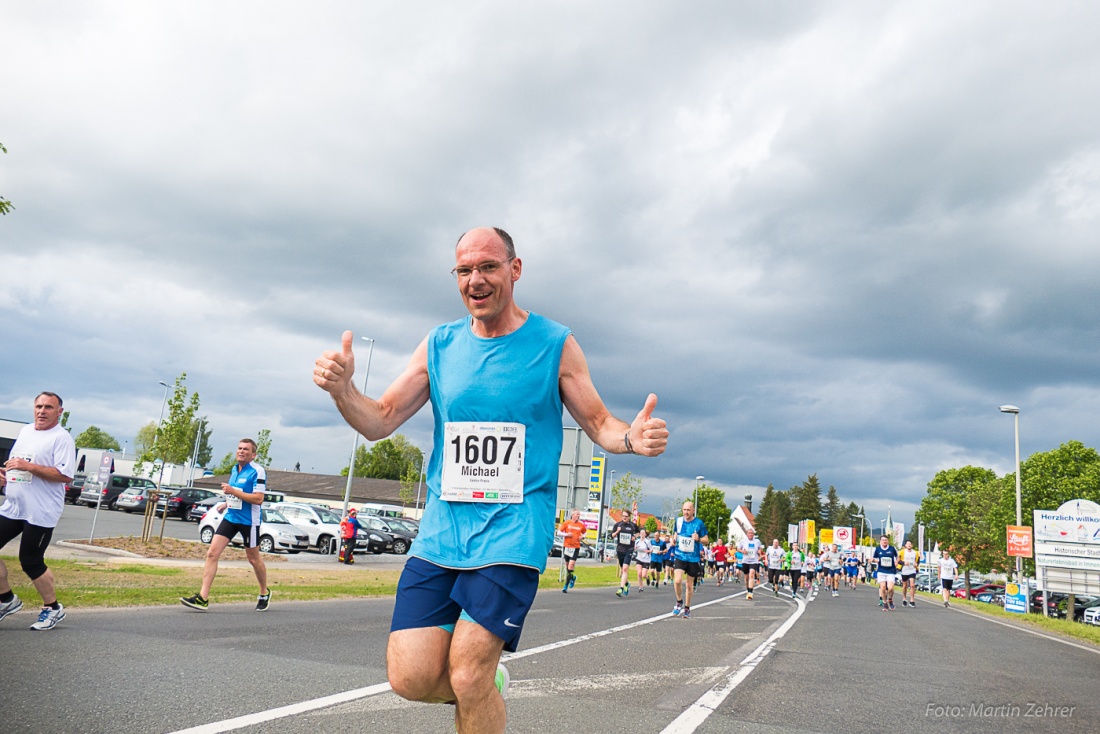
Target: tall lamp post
{"x": 1019, "y": 513}
{"x": 151, "y": 512}
{"x": 695, "y": 500}
{"x": 862, "y": 521}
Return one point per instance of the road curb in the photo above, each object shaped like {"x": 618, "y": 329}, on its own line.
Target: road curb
{"x": 96, "y": 549}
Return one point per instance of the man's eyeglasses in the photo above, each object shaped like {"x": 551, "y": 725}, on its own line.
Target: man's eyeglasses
{"x": 487, "y": 268}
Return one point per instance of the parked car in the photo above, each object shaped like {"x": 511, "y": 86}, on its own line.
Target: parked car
{"x": 403, "y": 523}
{"x": 202, "y": 507}
{"x": 276, "y": 534}
{"x": 1035, "y": 604}
{"x": 991, "y": 597}
{"x": 321, "y": 524}
{"x": 959, "y": 592}
{"x": 1092, "y": 616}
{"x": 92, "y": 493}
{"x": 73, "y": 490}
{"x": 180, "y": 501}
{"x": 925, "y": 582}
{"x": 400, "y": 538}
{"x": 587, "y": 551}
{"x": 1080, "y": 604}
{"x": 133, "y": 499}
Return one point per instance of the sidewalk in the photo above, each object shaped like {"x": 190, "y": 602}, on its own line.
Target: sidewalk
{"x": 69, "y": 551}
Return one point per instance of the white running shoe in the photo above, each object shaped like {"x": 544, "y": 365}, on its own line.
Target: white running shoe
{"x": 10, "y": 607}
{"x": 48, "y": 618}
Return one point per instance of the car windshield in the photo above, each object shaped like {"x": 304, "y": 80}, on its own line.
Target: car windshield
{"x": 272, "y": 516}
{"x": 327, "y": 516}
{"x": 400, "y": 525}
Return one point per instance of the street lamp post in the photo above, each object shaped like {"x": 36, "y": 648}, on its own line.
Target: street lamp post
{"x": 1019, "y": 513}
{"x": 695, "y": 500}
{"x": 419, "y": 484}
{"x": 862, "y": 522}
{"x": 601, "y": 528}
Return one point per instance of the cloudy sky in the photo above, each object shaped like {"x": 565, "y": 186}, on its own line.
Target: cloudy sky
{"x": 832, "y": 237}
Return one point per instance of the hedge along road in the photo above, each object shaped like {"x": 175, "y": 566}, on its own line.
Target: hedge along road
{"x": 587, "y": 658}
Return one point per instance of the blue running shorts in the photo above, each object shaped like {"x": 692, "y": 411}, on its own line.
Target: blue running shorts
{"x": 496, "y": 597}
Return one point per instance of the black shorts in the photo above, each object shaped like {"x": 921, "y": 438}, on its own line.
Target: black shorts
{"x": 32, "y": 546}
{"x": 571, "y": 554}
{"x": 774, "y": 574}
{"x": 746, "y": 567}
{"x": 249, "y": 533}
{"x": 796, "y": 577}
{"x": 691, "y": 568}
{"x": 948, "y": 583}
{"x": 624, "y": 556}
{"x": 657, "y": 565}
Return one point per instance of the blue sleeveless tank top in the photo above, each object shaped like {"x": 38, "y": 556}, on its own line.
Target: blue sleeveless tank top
{"x": 513, "y": 379}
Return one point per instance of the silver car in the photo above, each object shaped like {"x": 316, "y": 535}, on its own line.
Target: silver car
{"x": 276, "y": 534}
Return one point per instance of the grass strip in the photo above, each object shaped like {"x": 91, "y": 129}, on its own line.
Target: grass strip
{"x": 1063, "y": 627}
{"x": 122, "y": 583}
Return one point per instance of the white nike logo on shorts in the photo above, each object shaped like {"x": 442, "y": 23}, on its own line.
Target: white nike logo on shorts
{"x": 508, "y": 623}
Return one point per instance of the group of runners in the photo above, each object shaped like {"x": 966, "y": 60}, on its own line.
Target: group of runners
{"x": 669, "y": 556}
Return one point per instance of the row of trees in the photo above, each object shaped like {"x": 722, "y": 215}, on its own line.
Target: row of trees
{"x": 174, "y": 440}
{"x": 966, "y": 509}
{"x": 779, "y": 508}
{"x": 391, "y": 458}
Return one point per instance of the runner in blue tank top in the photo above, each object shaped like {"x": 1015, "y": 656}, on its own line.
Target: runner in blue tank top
{"x": 497, "y": 381}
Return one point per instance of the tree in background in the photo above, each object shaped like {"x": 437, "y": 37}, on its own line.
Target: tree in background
{"x": 806, "y": 501}
{"x": 206, "y": 451}
{"x": 263, "y": 448}
{"x": 5, "y": 205}
{"x": 957, "y": 513}
{"x": 145, "y": 438}
{"x": 174, "y": 438}
{"x": 651, "y": 525}
{"x": 627, "y": 491}
{"x": 773, "y": 515}
{"x": 831, "y": 512}
{"x": 713, "y": 511}
{"x": 390, "y": 458}
{"x": 1047, "y": 481}
{"x": 94, "y": 438}
{"x": 226, "y": 465}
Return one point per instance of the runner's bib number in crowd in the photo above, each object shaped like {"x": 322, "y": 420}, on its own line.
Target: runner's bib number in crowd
{"x": 20, "y": 476}
{"x": 483, "y": 462}
{"x": 685, "y": 543}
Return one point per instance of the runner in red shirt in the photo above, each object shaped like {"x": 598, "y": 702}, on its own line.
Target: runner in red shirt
{"x": 721, "y": 555}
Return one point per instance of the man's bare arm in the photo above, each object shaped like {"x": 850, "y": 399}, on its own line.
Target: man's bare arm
{"x": 374, "y": 419}
{"x": 648, "y": 436}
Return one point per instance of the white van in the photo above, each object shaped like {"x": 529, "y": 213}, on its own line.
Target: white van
{"x": 382, "y": 510}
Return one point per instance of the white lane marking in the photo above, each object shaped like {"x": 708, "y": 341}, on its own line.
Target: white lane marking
{"x": 602, "y": 633}
{"x": 699, "y": 711}
{"x": 219, "y": 727}
{"x": 984, "y": 618}
{"x": 283, "y": 711}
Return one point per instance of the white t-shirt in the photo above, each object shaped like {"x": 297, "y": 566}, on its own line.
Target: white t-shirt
{"x": 642, "y": 550}
{"x": 31, "y": 498}
{"x": 948, "y": 567}
{"x": 774, "y": 556}
{"x": 750, "y": 549}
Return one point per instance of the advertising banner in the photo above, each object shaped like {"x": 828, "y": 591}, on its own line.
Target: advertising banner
{"x": 1015, "y": 598}
{"x": 899, "y": 534}
{"x": 1019, "y": 540}
{"x": 811, "y": 531}
{"x": 826, "y": 536}
{"x": 844, "y": 538}
{"x": 595, "y": 484}
{"x": 792, "y": 533}
{"x": 1076, "y": 521}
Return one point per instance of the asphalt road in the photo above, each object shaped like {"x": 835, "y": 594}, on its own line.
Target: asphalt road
{"x": 588, "y": 661}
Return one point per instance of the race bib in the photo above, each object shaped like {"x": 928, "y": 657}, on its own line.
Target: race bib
{"x": 570, "y": 552}
{"x": 685, "y": 544}
{"x": 483, "y": 462}
{"x": 886, "y": 561}
{"x": 233, "y": 503}
{"x": 19, "y": 476}
{"x": 624, "y": 538}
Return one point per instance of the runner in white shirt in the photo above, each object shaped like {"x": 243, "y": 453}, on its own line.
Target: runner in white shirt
{"x": 642, "y": 550}
{"x": 750, "y": 564}
{"x": 948, "y": 570}
{"x": 40, "y": 463}
{"x": 774, "y": 558}
{"x": 809, "y": 572}
{"x": 910, "y": 559}
{"x": 830, "y": 561}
